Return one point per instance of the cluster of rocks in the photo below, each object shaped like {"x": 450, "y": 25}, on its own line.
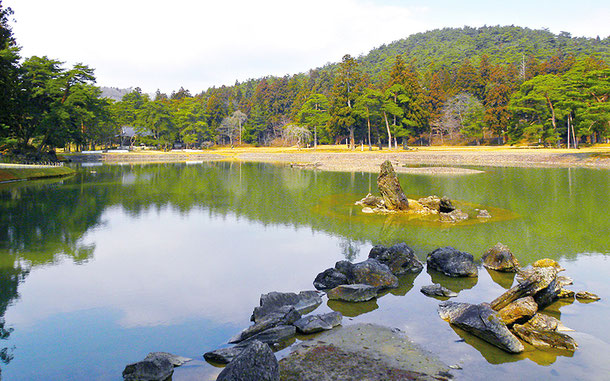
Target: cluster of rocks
{"x": 359, "y": 282}
{"x": 512, "y": 316}
{"x": 516, "y": 313}
{"x": 394, "y": 200}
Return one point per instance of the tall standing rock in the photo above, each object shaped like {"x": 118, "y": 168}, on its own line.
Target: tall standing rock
{"x": 393, "y": 196}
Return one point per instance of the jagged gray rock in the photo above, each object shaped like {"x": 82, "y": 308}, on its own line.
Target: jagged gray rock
{"x": 452, "y": 262}
{"x": 285, "y": 315}
{"x": 481, "y": 321}
{"x": 370, "y": 272}
{"x": 255, "y": 362}
{"x": 329, "y": 278}
{"x": 318, "y": 323}
{"x": 400, "y": 258}
{"x": 304, "y": 302}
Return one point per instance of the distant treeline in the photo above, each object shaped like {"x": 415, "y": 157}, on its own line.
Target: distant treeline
{"x": 489, "y": 85}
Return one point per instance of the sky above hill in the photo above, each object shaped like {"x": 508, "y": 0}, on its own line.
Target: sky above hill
{"x": 164, "y": 45}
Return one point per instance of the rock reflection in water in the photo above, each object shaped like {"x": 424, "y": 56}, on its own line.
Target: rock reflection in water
{"x": 454, "y": 284}
{"x": 503, "y": 279}
{"x": 350, "y": 309}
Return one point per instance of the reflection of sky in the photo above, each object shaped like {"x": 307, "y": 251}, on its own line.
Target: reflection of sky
{"x": 164, "y": 268}
{"x": 159, "y": 282}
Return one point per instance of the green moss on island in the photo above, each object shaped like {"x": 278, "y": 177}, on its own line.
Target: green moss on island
{"x": 14, "y": 173}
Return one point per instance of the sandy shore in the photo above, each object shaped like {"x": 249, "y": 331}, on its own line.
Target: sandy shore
{"x": 445, "y": 160}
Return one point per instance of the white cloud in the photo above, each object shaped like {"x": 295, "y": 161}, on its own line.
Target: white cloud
{"x": 197, "y": 44}
{"x": 155, "y": 42}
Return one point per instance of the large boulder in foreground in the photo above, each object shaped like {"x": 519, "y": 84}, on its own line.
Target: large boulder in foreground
{"x": 500, "y": 258}
{"x": 155, "y": 366}
{"x": 304, "y": 302}
{"x": 318, "y": 323}
{"x": 255, "y": 362}
{"x": 481, "y": 321}
{"x": 393, "y": 196}
{"x": 400, "y": 258}
{"x": 361, "y": 352}
{"x": 452, "y": 262}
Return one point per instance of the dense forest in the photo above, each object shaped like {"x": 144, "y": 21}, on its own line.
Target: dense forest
{"x": 488, "y": 85}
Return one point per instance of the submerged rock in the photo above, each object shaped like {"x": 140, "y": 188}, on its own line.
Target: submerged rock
{"x": 318, "y": 323}
{"x": 452, "y": 262}
{"x": 255, "y": 362}
{"x": 481, "y": 321}
{"x": 393, "y": 196}
{"x": 353, "y": 293}
{"x": 361, "y": 352}
{"x": 545, "y": 339}
{"x": 329, "y": 278}
{"x": 438, "y": 290}
{"x": 400, "y": 258}
{"x": 285, "y": 315}
{"x": 304, "y": 301}
{"x": 155, "y": 366}
{"x": 586, "y": 295}
{"x": 518, "y": 310}
{"x": 500, "y": 258}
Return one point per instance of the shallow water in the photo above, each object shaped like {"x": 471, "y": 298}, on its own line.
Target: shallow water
{"x": 99, "y": 269}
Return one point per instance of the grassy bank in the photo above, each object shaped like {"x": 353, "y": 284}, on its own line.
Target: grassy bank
{"x": 10, "y": 172}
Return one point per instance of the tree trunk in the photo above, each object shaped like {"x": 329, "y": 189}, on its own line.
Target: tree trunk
{"x": 368, "y": 122}
{"x": 387, "y": 125}
{"x": 553, "y": 121}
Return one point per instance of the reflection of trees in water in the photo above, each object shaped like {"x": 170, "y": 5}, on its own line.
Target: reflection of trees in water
{"x": 39, "y": 222}
{"x": 10, "y": 277}
{"x": 350, "y": 248}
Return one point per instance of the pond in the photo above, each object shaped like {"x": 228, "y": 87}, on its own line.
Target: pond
{"x": 101, "y": 268}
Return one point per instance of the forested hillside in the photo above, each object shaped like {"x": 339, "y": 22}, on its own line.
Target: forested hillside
{"x": 489, "y": 85}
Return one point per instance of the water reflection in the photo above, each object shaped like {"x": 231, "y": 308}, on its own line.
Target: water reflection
{"x": 455, "y": 284}
{"x": 161, "y": 247}
{"x": 503, "y": 279}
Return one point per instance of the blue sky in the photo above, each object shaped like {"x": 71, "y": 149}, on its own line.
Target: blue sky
{"x": 159, "y": 44}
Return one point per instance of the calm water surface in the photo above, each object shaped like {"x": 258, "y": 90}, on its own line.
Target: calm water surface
{"x": 99, "y": 269}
